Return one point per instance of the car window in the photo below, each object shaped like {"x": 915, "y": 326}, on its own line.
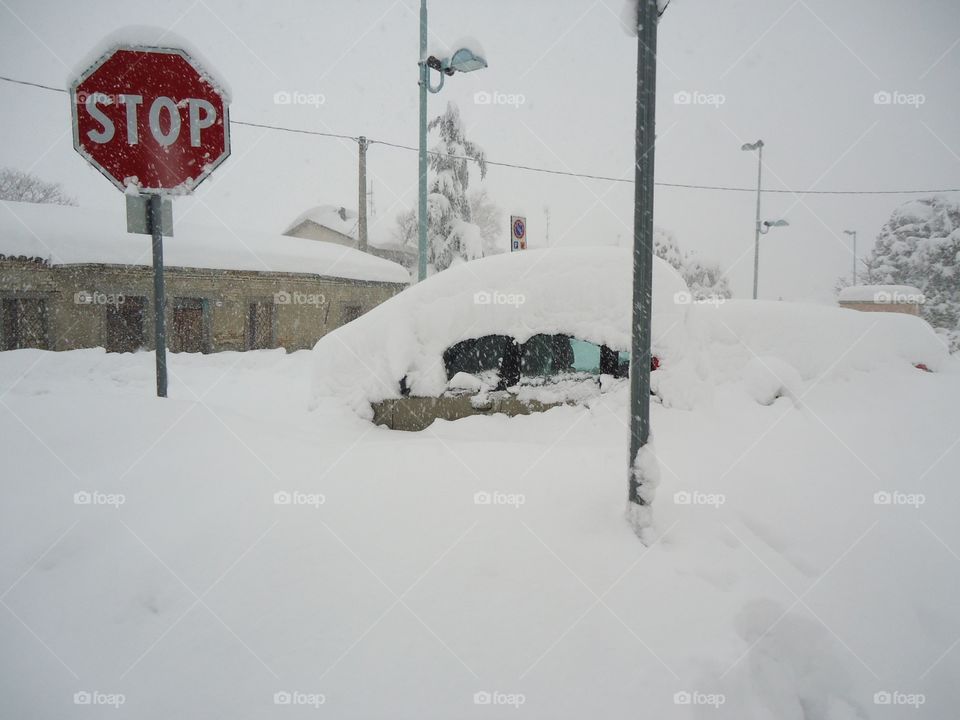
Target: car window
{"x": 475, "y": 355}
{"x": 586, "y": 356}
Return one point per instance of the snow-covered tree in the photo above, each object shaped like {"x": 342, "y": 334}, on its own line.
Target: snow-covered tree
{"x": 451, "y": 234}
{"x": 488, "y": 216}
{"x": 704, "y": 279}
{"x": 920, "y": 246}
{"x": 21, "y": 186}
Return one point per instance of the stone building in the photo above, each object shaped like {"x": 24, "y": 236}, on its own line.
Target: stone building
{"x": 71, "y": 278}
{"x": 329, "y": 223}
{"x": 882, "y": 298}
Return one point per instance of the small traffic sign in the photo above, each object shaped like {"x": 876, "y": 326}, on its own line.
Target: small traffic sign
{"x": 518, "y": 232}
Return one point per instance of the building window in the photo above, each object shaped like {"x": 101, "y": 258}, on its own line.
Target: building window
{"x": 260, "y": 325}
{"x": 187, "y": 331}
{"x": 24, "y": 324}
{"x": 124, "y": 325}
{"x": 349, "y": 313}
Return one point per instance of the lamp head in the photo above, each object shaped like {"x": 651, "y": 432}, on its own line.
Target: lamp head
{"x": 464, "y": 60}
{"x": 752, "y": 146}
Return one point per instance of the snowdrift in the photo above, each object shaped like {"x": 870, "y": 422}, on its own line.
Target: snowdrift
{"x": 587, "y": 293}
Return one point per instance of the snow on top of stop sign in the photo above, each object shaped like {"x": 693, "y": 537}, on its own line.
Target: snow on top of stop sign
{"x": 146, "y": 37}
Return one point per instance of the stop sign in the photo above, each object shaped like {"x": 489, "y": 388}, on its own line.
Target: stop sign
{"x": 150, "y": 117}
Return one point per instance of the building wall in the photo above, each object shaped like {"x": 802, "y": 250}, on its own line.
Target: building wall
{"x": 906, "y": 308}
{"x": 304, "y": 307}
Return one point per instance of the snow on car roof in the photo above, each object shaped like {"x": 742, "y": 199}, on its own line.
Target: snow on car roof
{"x": 587, "y": 293}
{"x": 70, "y": 235}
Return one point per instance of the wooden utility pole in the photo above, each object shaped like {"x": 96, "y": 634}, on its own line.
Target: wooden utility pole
{"x": 362, "y": 204}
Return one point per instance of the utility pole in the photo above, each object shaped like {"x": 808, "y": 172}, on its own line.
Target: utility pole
{"x": 362, "y": 207}
{"x": 854, "y": 234}
{"x": 647, "y": 18}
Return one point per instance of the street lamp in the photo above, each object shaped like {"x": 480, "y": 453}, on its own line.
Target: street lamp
{"x": 854, "y": 234}
{"x": 750, "y": 147}
{"x": 463, "y": 60}
{"x": 767, "y": 224}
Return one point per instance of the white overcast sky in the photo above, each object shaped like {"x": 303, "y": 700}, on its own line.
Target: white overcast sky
{"x": 801, "y": 74}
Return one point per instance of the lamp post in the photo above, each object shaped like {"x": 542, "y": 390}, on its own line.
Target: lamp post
{"x": 854, "y": 234}
{"x": 463, "y": 60}
{"x": 758, "y": 146}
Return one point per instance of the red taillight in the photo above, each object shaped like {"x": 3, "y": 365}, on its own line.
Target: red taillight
{"x": 922, "y": 366}
{"x": 654, "y": 363}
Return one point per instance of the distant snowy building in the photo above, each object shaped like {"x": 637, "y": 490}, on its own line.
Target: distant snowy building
{"x": 340, "y": 225}
{"x": 73, "y": 278}
{"x": 882, "y": 298}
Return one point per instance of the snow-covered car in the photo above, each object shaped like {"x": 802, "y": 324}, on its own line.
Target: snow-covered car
{"x": 511, "y": 333}
{"x": 528, "y": 331}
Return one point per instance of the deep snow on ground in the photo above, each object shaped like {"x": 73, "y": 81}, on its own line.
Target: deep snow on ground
{"x": 774, "y": 581}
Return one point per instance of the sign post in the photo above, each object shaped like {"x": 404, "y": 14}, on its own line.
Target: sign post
{"x": 518, "y": 233}
{"x": 647, "y": 18}
{"x": 155, "y": 223}
{"x": 153, "y": 122}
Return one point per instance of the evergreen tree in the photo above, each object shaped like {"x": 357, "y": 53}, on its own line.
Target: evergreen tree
{"x": 920, "y": 246}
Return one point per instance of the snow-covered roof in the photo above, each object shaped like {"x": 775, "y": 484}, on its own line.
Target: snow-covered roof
{"x": 69, "y": 235}
{"x": 587, "y": 293}
{"x": 882, "y": 294}
{"x": 345, "y": 221}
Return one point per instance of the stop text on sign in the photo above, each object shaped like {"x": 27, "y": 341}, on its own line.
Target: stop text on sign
{"x": 163, "y": 118}
{"x": 151, "y": 118}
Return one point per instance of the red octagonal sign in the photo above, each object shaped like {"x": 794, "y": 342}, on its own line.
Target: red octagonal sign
{"x": 151, "y": 118}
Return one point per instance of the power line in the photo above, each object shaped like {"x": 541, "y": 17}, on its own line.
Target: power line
{"x": 545, "y": 171}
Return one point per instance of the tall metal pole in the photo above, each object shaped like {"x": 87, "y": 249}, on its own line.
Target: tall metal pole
{"x": 362, "y": 201}
{"x": 422, "y": 205}
{"x": 643, "y": 239}
{"x": 854, "y": 257}
{"x": 756, "y": 239}
{"x": 155, "y": 219}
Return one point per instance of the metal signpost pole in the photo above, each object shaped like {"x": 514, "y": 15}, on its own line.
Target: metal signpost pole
{"x": 643, "y": 239}
{"x": 155, "y": 222}
{"x": 422, "y": 198}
